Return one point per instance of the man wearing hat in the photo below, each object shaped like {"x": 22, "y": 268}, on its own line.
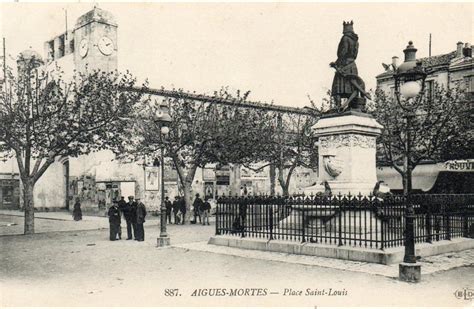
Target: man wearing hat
{"x": 175, "y": 207}
{"x": 182, "y": 209}
{"x": 140, "y": 217}
{"x": 169, "y": 208}
{"x": 197, "y": 204}
{"x": 129, "y": 212}
{"x": 114, "y": 221}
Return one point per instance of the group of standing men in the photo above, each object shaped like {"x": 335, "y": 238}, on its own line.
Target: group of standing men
{"x": 178, "y": 207}
{"x": 134, "y": 213}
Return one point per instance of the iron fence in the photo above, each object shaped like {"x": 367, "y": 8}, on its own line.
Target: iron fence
{"x": 363, "y": 221}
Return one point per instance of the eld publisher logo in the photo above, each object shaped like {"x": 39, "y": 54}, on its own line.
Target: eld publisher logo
{"x": 465, "y": 294}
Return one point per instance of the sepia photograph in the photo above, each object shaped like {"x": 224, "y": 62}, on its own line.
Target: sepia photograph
{"x": 236, "y": 154}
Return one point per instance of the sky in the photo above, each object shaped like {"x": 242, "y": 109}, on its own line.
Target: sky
{"x": 279, "y": 51}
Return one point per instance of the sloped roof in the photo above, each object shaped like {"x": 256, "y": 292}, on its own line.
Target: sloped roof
{"x": 437, "y": 60}
{"x": 428, "y": 62}
{"x": 96, "y": 14}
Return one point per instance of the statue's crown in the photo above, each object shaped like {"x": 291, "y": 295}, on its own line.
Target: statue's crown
{"x": 348, "y": 26}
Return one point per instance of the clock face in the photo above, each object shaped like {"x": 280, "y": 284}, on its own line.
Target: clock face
{"x": 106, "y": 46}
{"x": 83, "y": 47}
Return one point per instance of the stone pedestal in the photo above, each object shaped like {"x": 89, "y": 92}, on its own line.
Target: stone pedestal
{"x": 347, "y": 152}
{"x": 163, "y": 241}
{"x": 409, "y": 272}
{"x": 313, "y": 216}
{"x": 323, "y": 219}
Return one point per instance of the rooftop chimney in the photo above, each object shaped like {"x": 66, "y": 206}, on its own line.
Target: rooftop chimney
{"x": 395, "y": 62}
{"x": 459, "y": 49}
{"x": 467, "y": 50}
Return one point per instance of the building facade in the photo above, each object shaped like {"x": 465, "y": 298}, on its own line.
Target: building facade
{"x": 99, "y": 178}
{"x": 454, "y": 69}
{"x": 447, "y": 70}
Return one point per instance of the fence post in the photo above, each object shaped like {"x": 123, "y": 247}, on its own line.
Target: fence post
{"x": 437, "y": 227}
{"x": 303, "y": 225}
{"x": 243, "y": 215}
{"x": 340, "y": 225}
{"x": 465, "y": 224}
{"x": 448, "y": 224}
{"x": 429, "y": 228}
{"x": 382, "y": 231}
{"x": 271, "y": 221}
{"x": 409, "y": 233}
{"x": 217, "y": 219}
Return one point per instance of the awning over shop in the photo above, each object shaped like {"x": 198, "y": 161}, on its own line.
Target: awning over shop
{"x": 423, "y": 177}
{"x": 449, "y": 177}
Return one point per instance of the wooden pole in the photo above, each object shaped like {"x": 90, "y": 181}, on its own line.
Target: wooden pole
{"x": 429, "y": 49}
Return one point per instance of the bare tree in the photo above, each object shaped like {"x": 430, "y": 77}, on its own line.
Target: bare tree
{"x": 200, "y": 133}
{"x": 436, "y": 124}
{"x": 44, "y": 117}
{"x": 290, "y": 144}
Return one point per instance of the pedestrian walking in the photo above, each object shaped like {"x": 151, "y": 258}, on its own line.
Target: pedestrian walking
{"x": 197, "y": 204}
{"x": 140, "y": 217}
{"x": 168, "y": 209}
{"x": 114, "y": 221}
{"x": 205, "y": 209}
{"x": 129, "y": 213}
{"x": 175, "y": 207}
{"x": 182, "y": 209}
{"x": 77, "y": 212}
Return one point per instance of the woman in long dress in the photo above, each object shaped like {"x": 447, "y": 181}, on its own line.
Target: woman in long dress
{"x": 77, "y": 212}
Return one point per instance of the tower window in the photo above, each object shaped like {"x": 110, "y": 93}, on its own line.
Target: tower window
{"x": 469, "y": 84}
{"x": 61, "y": 47}
{"x": 71, "y": 46}
{"x": 51, "y": 50}
{"x": 430, "y": 89}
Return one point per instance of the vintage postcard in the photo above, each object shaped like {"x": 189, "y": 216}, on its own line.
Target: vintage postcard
{"x": 236, "y": 154}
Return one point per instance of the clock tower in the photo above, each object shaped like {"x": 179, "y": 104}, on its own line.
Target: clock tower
{"x": 95, "y": 41}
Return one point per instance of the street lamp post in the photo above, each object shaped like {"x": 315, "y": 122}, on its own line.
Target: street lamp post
{"x": 163, "y": 119}
{"x": 410, "y": 83}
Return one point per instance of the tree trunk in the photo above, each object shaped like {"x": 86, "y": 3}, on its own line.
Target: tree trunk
{"x": 408, "y": 181}
{"x": 235, "y": 181}
{"x": 281, "y": 180}
{"x": 272, "y": 179}
{"x": 28, "y": 186}
{"x": 186, "y": 181}
{"x": 188, "y": 199}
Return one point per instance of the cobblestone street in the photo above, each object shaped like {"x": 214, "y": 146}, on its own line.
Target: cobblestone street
{"x": 84, "y": 268}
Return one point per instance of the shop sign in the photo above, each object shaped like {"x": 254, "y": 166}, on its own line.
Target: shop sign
{"x": 459, "y": 165}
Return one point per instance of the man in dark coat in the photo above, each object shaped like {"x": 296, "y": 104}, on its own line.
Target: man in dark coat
{"x": 77, "y": 212}
{"x": 140, "y": 217}
{"x": 122, "y": 205}
{"x": 205, "y": 209}
{"x": 346, "y": 68}
{"x": 168, "y": 209}
{"x": 175, "y": 207}
{"x": 114, "y": 221}
{"x": 130, "y": 214}
{"x": 182, "y": 209}
{"x": 197, "y": 204}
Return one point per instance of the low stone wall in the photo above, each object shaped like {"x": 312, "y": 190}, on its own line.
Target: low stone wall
{"x": 387, "y": 256}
